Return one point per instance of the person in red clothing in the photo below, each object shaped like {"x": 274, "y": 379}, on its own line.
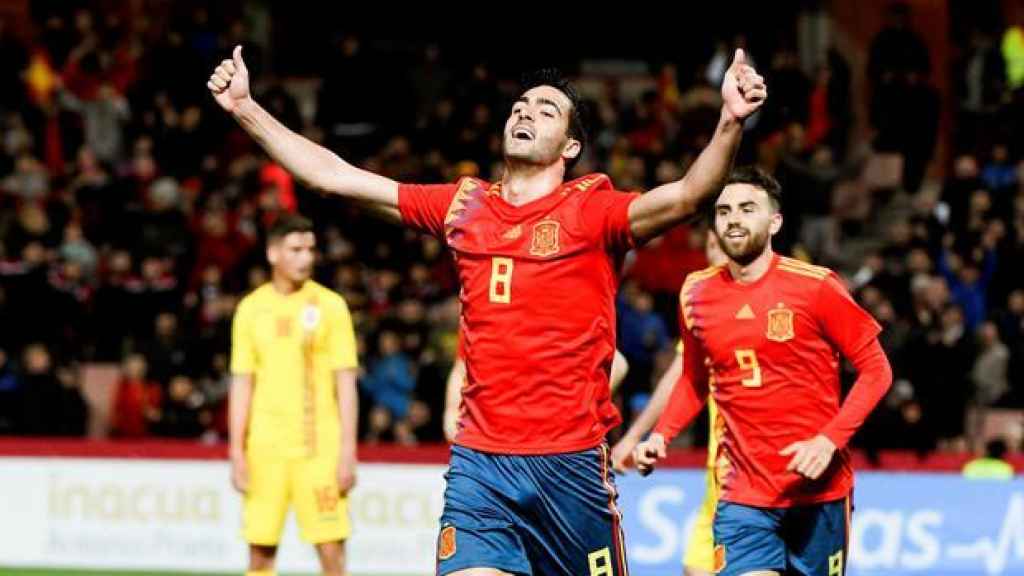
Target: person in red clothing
{"x": 763, "y": 334}
{"x": 137, "y": 401}
{"x": 528, "y": 487}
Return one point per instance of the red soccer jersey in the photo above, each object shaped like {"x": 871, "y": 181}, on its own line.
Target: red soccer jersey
{"x": 538, "y": 308}
{"x": 769, "y": 351}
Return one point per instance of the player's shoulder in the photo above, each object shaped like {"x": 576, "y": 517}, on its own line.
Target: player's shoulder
{"x": 700, "y": 276}
{"x": 799, "y": 269}
{"x": 325, "y": 295}
{"x": 589, "y": 184}
{"x": 468, "y": 184}
{"x": 255, "y": 298}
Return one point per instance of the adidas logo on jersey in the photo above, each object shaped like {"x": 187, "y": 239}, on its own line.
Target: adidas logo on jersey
{"x": 745, "y": 313}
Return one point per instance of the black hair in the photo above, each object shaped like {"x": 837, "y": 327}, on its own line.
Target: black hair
{"x": 995, "y": 448}
{"x": 577, "y": 125}
{"x": 286, "y": 224}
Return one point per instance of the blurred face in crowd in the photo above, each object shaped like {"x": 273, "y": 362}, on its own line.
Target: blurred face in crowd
{"x": 745, "y": 220}
{"x": 969, "y": 273}
{"x": 180, "y": 388}
{"x": 152, "y": 268}
{"x": 389, "y": 343}
{"x": 537, "y": 130}
{"x": 952, "y": 317}
{"x": 120, "y": 262}
{"x": 291, "y": 256}
{"x": 988, "y": 334}
{"x": 37, "y": 359}
{"x": 918, "y": 261}
{"x": 33, "y": 253}
{"x": 166, "y": 324}
{"x": 965, "y": 167}
{"x": 135, "y": 367}
{"x": 1015, "y": 302}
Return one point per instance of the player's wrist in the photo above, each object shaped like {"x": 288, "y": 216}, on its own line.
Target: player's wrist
{"x": 244, "y": 108}
{"x": 826, "y": 436}
{"x": 729, "y": 120}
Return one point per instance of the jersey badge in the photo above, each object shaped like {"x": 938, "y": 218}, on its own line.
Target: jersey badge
{"x": 310, "y": 317}
{"x": 545, "y": 238}
{"x": 780, "y": 324}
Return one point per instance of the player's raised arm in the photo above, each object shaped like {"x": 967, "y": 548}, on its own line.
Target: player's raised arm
{"x": 314, "y": 165}
{"x": 743, "y": 92}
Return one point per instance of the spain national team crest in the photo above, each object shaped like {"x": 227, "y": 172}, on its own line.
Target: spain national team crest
{"x": 446, "y": 543}
{"x": 780, "y": 324}
{"x": 719, "y": 559}
{"x": 545, "y": 238}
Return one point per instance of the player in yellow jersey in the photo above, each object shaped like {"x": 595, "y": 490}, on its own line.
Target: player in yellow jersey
{"x": 699, "y": 557}
{"x": 293, "y": 405}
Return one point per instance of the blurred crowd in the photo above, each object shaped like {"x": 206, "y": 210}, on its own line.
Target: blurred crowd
{"x": 133, "y": 213}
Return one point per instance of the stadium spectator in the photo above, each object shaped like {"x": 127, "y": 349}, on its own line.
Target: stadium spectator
{"x": 136, "y": 407}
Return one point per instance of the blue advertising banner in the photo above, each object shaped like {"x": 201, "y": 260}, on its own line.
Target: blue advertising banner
{"x": 903, "y": 524}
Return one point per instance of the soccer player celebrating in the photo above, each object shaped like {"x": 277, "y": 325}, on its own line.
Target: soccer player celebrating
{"x": 763, "y": 336}
{"x": 293, "y": 405}
{"x": 528, "y": 488}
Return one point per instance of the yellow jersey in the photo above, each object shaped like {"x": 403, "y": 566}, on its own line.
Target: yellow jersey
{"x": 292, "y": 345}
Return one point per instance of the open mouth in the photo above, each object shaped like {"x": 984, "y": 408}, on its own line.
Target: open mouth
{"x": 522, "y": 133}
{"x": 736, "y": 234}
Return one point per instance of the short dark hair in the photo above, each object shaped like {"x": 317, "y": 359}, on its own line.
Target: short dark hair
{"x": 286, "y": 224}
{"x": 753, "y": 176}
{"x": 995, "y": 448}
{"x": 758, "y": 178}
{"x": 577, "y": 125}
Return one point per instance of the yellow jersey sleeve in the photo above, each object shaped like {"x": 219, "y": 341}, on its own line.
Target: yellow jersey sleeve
{"x": 341, "y": 343}
{"x": 243, "y": 348}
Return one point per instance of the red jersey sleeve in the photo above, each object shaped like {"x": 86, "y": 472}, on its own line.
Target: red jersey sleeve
{"x": 690, "y": 392}
{"x": 607, "y": 214}
{"x": 855, "y": 333}
{"x": 424, "y": 206}
{"x": 874, "y": 377}
{"x": 848, "y": 326}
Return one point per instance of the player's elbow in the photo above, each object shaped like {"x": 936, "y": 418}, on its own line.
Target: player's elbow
{"x": 325, "y": 172}
{"x": 885, "y": 376}
{"x": 875, "y": 365}
{"x": 325, "y": 179}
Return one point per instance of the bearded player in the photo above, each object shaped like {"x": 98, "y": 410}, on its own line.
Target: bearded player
{"x": 763, "y": 335}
